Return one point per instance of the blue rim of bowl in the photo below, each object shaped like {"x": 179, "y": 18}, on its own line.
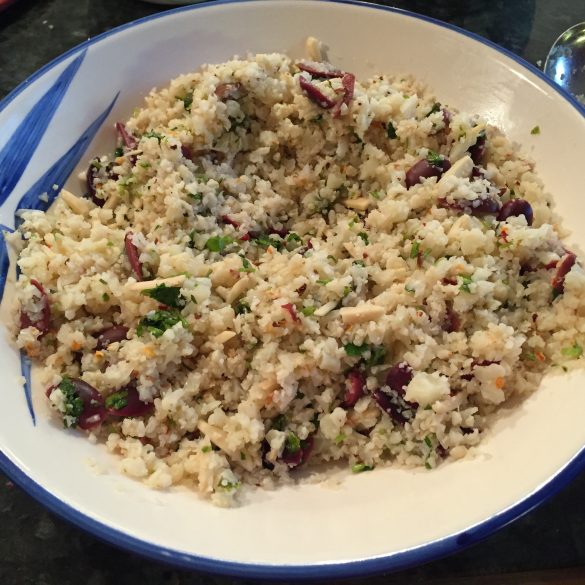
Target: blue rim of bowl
{"x": 391, "y": 562}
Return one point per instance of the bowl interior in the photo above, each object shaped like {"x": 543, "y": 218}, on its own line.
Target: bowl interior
{"x": 388, "y": 513}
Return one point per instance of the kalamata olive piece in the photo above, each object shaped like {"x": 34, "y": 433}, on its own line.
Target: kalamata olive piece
{"x": 452, "y": 320}
{"x": 44, "y": 320}
{"x": 229, "y": 221}
{"x": 514, "y": 208}
{"x": 300, "y": 455}
{"x": 477, "y": 151}
{"x": 133, "y": 256}
{"x": 398, "y": 409}
{"x": 315, "y": 94}
{"x": 355, "y": 384}
{"x": 126, "y": 403}
{"x": 90, "y": 180}
{"x": 348, "y": 84}
{"x": 478, "y": 364}
{"x": 423, "y": 169}
{"x": 563, "y": 267}
{"x": 87, "y": 415}
{"x": 398, "y": 377}
{"x": 127, "y": 138}
{"x": 264, "y": 450}
{"x": 320, "y": 72}
{"x": 111, "y": 335}
{"x": 229, "y": 91}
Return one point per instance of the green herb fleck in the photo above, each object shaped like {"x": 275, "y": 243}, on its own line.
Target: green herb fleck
{"x": 434, "y": 158}
{"x": 332, "y": 258}
{"x": 390, "y": 130}
{"x": 324, "y": 281}
{"x": 73, "y": 404}
{"x": 119, "y": 152}
{"x": 169, "y": 296}
{"x": 187, "y": 102}
{"x": 409, "y": 289}
{"x": 361, "y": 467}
{"x": 428, "y": 465}
{"x": 242, "y": 456}
{"x": 436, "y": 108}
{"x": 428, "y": 442}
{"x": 153, "y": 134}
{"x": 293, "y": 241}
{"x": 377, "y": 195}
{"x": 265, "y": 242}
{"x": 105, "y": 297}
{"x": 246, "y": 265}
{"x": 364, "y": 237}
{"x": 206, "y": 449}
{"x": 346, "y": 291}
{"x": 353, "y": 350}
{"x": 308, "y": 311}
{"x": 225, "y": 484}
{"x": 359, "y": 263}
{"x": 144, "y": 164}
{"x": 530, "y": 356}
{"x": 465, "y": 282}
{"x": 573, "y": 352}
{"x": 535, "y": 130}
{"x": 242, "y": 307}
{"x": 293, "y": 443}
{"x": 198, "y": 197}
{"x": 218, "y": 243}
{"x": 279, "y": 422}
{"x": 414, "y": 249}
{"x": 157, "y": 322}
{"x": 317, "y": 118}
{"x": 117, "y": 400}
{"x": 377, "y": 356}
{"x": 339, "y": 439}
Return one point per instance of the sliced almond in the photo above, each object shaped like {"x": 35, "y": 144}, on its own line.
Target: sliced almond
{"x": 146, "y": 284}
{"x": 314, "y": 49}
{"x": 461, "y": 146}
{"x": 219, "y": 339}
{"x": 461, "y": 169}
{"x": 226, "y": 272}
{"x": 325, "y": 309}
{"x": 76, "y": 204}
{"x": 111, "y": 202}
{"x": 360, "y": 203}
{"x": 361, "y": 313}
{"x": 229, "y": 295}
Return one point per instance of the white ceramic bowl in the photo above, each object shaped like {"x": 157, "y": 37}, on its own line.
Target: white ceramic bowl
{"x": 376, "y": 521}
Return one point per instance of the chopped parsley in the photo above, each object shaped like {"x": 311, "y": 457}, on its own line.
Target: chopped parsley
{"x": 465, "y": 282}
{"x": 73, "y": 405}
{"x": 206, "y": 449}
{"x": 153, "y": 134}
{"x": 293, "y": 443}
{"x": 279, "y": 422}
{"x": 409, "y": 289}
{"x": 105, "y": 297}
{"x": 119, "y": 152}
{"x": 246, "y": 265}
{"x": 377, "y": 356}
{"x": 242, "y": 307}
{"x": 187, "y": 102}
{"x": 308, "y": 311}
{"x": 353, "y": 350}
{"x": 530, "y": 356}
{"x": 317, "y": 118}
{"x": 169, "y": 296}
{"x": 535, "y": 130}
{"x": 157, "y": 322}
{"x": 434, "y": 158}
{"x": 265, "y": 242}
{"x": 364, "y": 237}
{"x": 339, "y": 439}
{"x": 332, "y": 258}
{"x": 293, "y": 241}
{"x": 436, "y": 108}
{"x": 218, "y": 243}
{"x": 117, "y": 400}
{"x": 346, "y": 291}
{"x": 361, "y": 467}
{"x": 390, "y": 130}
{"x": 198, "y": 197}
{"x": 324, "y": 281}
{"x": 428, "y": 441}
{"x": 359, "y": 263}
{"x": 414, "y": 249}
{"x": 377, "y": 195}
{"x": 575, "y": 351}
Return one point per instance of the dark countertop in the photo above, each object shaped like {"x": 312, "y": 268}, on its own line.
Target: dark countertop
{"x": 544, "y": 547}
